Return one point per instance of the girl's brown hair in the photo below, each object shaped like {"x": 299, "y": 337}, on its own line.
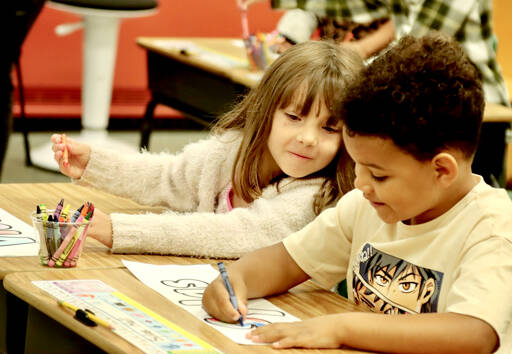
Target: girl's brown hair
{"x": 320, "y": 70}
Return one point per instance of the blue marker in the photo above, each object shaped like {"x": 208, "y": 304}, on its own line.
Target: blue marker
{"x": 229, "y": 288}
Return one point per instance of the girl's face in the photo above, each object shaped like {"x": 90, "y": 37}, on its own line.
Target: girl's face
{"x": 300, "y": 145}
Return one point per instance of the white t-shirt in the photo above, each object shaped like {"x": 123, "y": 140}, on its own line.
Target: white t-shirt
{"x": 459, "y": 262}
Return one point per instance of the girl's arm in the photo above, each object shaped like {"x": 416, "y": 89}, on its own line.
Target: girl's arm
{"x": 227, "y": 235}
{"x": 153, "y": 179}
{"x": 422, "y": 333}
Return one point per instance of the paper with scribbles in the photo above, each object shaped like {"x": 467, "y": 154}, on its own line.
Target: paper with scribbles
{"x": 184, "y": 286}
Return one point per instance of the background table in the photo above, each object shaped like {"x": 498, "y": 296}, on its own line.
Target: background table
{"x": 203, "y": 89}
{"x": 43, "y": 332}
{"x": 200, "y": 89}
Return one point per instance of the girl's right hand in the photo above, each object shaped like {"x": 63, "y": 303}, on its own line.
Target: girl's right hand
{"x": 216, "y": 299}
{"x": 78, "y": 156}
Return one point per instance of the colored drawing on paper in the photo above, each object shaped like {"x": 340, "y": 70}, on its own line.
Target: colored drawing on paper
{"x": 13, "y": 241}
{"x": 184, "y": 286}
{"x": 132, "y": 321}
{"x": 16, "y": 237}
{"x": 249, "y": 323}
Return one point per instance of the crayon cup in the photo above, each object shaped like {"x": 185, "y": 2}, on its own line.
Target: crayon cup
{"x": 259, "y": 50}
{"x": 55, "y": 246}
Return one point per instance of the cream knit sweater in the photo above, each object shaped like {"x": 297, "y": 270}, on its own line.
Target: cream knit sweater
{"x": 188, "y": 184}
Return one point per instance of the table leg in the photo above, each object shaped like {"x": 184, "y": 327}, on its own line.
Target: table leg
{"x": 147, "y": 124}
{"x": 13, "y": 322}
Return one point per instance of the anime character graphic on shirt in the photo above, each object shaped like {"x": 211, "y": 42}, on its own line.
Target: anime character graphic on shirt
{"x": 392, "y": 285}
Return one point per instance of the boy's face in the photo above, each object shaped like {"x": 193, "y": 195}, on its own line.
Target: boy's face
{"x": 398, "y": 186}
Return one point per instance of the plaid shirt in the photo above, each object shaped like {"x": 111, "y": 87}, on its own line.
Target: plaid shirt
{"x": 469, "y": 21}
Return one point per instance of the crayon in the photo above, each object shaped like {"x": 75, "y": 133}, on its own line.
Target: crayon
{"x": 56, "y": 234}
{"x": 72, "y": 230}
{"x": 49, "y": 234}
{"x": 83, "y": 221}
{"x": 65, "y": 155}
{"x": 43, "y": 251}
{"x": 77, "y": 247}
{"x": 64, "y": 218}
{"x": 58, "y": 209}
{"x": 229, "y": 288}
{"x": 42, "y": 207}
{"x": 77, "y": 213}
{"x": 44, "y": 219}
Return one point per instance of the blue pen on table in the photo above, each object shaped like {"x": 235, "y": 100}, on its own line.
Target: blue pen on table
{"x": 229, "y": 288}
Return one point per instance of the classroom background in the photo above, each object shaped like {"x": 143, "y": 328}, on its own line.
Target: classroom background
{"x": 51, "y": 66}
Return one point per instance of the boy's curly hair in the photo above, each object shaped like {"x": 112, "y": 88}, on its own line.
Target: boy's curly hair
{"x": 423, "y": 93}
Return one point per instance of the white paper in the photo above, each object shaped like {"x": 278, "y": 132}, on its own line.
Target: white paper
{"x": 184, "y": 286}
{"x": 17, "y": 238}
{"x": 205, "y": 54}
{"x": 177, "y": 44}
{"x": 130, "y": 320}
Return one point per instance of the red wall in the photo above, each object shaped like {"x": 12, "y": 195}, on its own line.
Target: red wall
{"x": 51, "y": 65}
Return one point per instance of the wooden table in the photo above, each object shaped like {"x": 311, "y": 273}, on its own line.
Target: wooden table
{"x": 203, "y": 89}
{"x": 304, "y": 301}
{"x": 496, "y": 113}
{"x": 20, "y": 200}
{"x": 200, "y": 89}
{"x": 25, "y": 310}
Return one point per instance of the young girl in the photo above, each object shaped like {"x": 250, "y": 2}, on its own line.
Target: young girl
{"x": 269, "y": 167}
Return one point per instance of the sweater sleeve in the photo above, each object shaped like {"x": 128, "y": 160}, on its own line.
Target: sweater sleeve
{"x": 226, "y": 235}
{"x": 151, "y": 179}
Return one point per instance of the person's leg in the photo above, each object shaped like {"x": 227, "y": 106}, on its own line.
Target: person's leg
{"x": 18, "y": 17}
{"x": 5, "y": 109}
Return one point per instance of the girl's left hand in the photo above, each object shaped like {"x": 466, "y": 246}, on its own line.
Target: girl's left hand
{"x": 101, "y": 228}
{"x": 318, "y": 332}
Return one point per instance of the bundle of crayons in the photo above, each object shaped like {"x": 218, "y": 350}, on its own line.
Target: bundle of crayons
{"x": 62, "y": 235}
{"x": 257, "y": 46}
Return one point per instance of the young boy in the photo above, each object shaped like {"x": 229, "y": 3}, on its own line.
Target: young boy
{"x": 420, "y": 235}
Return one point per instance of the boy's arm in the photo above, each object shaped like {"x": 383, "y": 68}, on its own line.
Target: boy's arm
{"x": 266, "y": 271}
{"x": 422, "y": 333}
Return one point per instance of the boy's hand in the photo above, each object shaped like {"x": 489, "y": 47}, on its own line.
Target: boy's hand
{"x": 78, "y": 155}
{"x": 318, "y": 332}
{"x": 216, "y": 299}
